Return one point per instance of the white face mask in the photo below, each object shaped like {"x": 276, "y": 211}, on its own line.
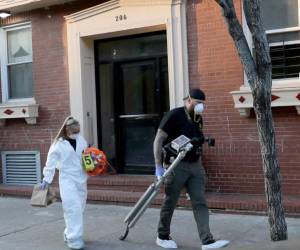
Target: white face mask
{"x": 199, "y": 108}
{"x": 74, "y": 136}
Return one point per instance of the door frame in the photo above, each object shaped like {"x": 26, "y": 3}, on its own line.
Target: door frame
{"x": 115, "y": 65}
{"x": 82, "y": 32}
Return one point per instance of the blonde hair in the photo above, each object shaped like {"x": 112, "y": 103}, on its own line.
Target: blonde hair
{"x": 62, "y": 133}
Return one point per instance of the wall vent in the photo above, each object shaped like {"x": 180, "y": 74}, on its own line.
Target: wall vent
{"x": 21, "y": 167}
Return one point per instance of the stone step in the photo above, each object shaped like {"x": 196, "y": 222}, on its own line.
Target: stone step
{"x": 241, "y": 203}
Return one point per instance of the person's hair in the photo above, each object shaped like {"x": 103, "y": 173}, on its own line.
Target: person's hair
{"x": 69, "y": 122}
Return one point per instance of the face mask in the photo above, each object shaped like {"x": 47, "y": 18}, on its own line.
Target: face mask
{"x": 199, "y": 108}
{"x": 73, "y": 136}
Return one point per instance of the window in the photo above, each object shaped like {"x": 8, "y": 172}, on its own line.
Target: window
{"x": 16, "y": 62}
{"x": 285, "y": 61}
{"x": 281, "y": 21}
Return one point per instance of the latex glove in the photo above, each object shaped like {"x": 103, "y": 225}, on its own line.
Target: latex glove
{"x": 159, "y": 171}
{"x": 44, "y": 185}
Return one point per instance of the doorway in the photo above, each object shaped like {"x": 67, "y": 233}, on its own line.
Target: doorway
{"x": 132, "y": 96}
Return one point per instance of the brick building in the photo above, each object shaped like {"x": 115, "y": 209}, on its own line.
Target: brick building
{"x": 118, "y": 65}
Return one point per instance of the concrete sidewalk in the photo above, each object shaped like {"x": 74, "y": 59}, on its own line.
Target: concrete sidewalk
{"x": 23, "y": 227}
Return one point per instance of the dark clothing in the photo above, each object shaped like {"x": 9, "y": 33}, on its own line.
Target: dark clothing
{"x": 189, "y": 174}
{"x": 72, "y": 142}
{"x": 192, "y": 176}
{"x": 178, "y": 122}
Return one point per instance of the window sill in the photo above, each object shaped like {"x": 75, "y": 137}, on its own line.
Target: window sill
{"x": 282, "y": 96}
{"x": 13, "y": 110}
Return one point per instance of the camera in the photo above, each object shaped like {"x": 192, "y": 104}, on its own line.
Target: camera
{"x": 199, "y": 141}
{"x": 210, "y": 141}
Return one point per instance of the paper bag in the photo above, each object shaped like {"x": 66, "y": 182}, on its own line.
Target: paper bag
{"x": 42, "y": 198}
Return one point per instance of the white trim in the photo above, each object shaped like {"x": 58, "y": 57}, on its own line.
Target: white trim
{"x": 285, "y": 43}
{"x": 287, "y": 96}
{"x": 248, "y": 38}
{"x": 4, "y": 58}
{"x": 30, "y": 100}
{"x": 12, "y": 64}
{"x": 3, "y": 67}
{"x": 17, "y": 26}
{"x": 142, "y": 16}
{"x": 284, "y": 30}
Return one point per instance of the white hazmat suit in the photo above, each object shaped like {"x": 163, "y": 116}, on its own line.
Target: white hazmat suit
{"x": 72, "y": 183}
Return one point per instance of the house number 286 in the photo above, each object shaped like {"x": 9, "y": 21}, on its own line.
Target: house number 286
{"x": 120, "y": 18}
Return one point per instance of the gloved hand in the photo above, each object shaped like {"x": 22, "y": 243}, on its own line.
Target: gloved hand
{"x": 159, "y": 171}
{"x": 44, "y": 185}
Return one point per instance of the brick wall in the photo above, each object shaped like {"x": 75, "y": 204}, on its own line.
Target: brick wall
{"x": 50, "y": 74}
{"x": 234, "y": 164}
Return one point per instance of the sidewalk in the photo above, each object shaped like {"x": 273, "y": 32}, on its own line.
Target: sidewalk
{"x": 23, "y": 227}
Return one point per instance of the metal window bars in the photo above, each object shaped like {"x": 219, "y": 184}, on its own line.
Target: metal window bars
{"x": 285, "y": 60}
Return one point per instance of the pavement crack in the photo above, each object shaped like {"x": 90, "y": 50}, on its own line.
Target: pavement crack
{"x": 29, "y": 227}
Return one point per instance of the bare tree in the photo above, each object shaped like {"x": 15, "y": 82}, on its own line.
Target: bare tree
{"x": 259, "y": 74}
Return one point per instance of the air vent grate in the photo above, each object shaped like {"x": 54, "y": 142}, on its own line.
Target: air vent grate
{"x": 21, "y": 167}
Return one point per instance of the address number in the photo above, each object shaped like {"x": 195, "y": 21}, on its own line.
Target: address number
{"x": 120, "y": 18}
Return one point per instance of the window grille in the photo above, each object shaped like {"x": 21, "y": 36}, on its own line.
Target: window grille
{"x": 21, "y": 167}
{"x": 285, "y": 61}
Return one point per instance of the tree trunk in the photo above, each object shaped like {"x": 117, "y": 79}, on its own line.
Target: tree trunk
{"x": 271, "y": 168}
{"x": 259, "y": 74}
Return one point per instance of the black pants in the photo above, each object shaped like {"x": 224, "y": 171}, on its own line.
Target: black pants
{"x": 193, "y": 177}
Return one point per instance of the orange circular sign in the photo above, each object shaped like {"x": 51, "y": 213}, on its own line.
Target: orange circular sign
{"x": 94, "y": 161}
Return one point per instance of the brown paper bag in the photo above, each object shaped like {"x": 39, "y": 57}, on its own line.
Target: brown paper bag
{"x": 42, "y": 198}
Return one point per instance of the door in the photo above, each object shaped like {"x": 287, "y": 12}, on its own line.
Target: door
{"x": 138, "y": 109}
{"x": 132, "y": 90}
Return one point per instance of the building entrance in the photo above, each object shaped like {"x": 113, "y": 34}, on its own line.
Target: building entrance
{"x": 132, "y": 96}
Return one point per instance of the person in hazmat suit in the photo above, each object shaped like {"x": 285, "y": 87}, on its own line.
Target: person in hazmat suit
{"x": 65, "y": 154}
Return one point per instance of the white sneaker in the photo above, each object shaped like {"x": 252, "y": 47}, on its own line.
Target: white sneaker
{"x": 75, "y": 244}
{"x": 65, "y": 238}
{"x": 166, "y": 243}
{"x": 217, "y": 244}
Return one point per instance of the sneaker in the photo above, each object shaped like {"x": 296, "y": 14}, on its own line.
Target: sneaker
{"x": 216, "y": 244}
{"x": 166, "y": 243}
{"x": 75, "y": 244}
{"x": 65, "y": 238}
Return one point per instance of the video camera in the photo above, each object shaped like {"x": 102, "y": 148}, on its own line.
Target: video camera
{"x": 210, "y": 141}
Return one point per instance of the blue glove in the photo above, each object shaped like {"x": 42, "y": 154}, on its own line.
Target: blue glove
{"x": 159, "y": 171}
{"x": 44, "y": 185}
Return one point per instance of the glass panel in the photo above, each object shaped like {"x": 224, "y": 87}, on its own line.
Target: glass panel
{"x": 132, "y": 47}
{"x": 285, "y": 61}
{"x": 20, "y": 81}
{"x": 278, "y": 14}
{"x": 19, "y": 46}
{"x": 107, "y": 110}
{"x": 138, "y": 138}
{"x": 164, "y": 85}
{"x": 139, "y": 88}
{"x": 284, "y": 37}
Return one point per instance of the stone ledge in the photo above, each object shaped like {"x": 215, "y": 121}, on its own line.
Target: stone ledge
{"x": 281, "y": 97}
{"x": 216, "y": 201}
{"x": 28, "y": 111}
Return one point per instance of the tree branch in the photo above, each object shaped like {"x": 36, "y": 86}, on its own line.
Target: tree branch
{"x": 263, "y": 60}
{"x": 236, "y": 31}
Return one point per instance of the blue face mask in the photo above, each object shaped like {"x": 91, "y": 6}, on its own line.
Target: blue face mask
{"x": 199, "y": 108}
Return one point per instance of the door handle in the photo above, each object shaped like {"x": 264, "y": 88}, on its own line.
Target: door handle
{"x": 138, "y": 116}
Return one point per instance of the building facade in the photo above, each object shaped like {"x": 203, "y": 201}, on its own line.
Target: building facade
{"x": 118, "y": 65}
